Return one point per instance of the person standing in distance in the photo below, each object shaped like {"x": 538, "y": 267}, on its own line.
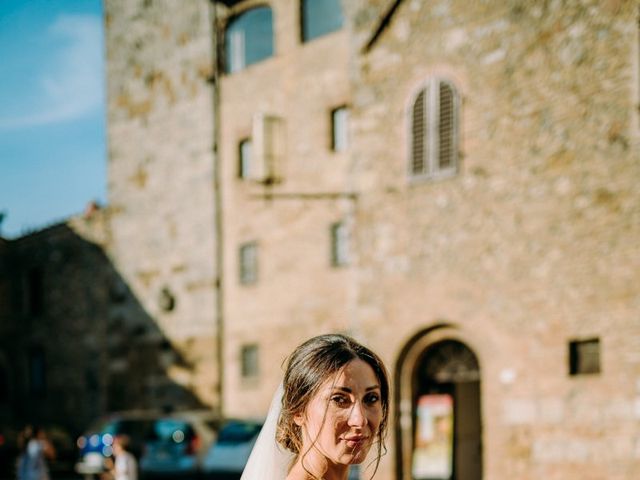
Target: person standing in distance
{"x": 38, "y": 449}
{"x": 125, "y": 466}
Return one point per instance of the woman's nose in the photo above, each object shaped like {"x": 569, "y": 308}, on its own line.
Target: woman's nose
{"x": 357, "y": 417}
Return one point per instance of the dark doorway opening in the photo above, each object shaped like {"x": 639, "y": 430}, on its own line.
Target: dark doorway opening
{"x": 444, "y": 439}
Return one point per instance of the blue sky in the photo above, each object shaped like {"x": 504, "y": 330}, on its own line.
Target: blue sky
{"x": 52, "y": 129}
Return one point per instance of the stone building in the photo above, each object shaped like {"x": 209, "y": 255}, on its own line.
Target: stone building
{"x": 53, "y": 315}
{"x": 75, "y": 342}
{"x": 160, "y": 180}
{"x": 451, "y": 182}
{"x": 479, "y": 228}
{"x": 496, "y": 157}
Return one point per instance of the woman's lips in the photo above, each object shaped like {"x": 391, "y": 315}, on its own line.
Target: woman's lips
{"x": 355, "y": 441}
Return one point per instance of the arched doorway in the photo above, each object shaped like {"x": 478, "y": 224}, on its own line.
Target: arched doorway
{"x": 439, "y": 428}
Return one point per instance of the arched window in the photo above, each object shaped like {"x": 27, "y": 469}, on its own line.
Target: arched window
{"x": 434, "y": 130}
{"x": 248, "y": 39}
{"x": 319, "y": 17}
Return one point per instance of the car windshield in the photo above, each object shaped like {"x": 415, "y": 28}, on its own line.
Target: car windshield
{"x": 239, "y": 432}
{"x": 171, "y": 429}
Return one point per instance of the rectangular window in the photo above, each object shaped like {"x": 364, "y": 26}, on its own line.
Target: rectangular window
{"x": 33, "y": 289}
{"x": 268, "y": 148}
{"x": 584, "y": 357}
{"x": 249, "y": 263}
{"x": 244, "y": 158}
{"x": 339, "y": 129}
{"x": 339, "y": 244}
{"x": 249, "y": 361}
{"x": 37, "y": 372}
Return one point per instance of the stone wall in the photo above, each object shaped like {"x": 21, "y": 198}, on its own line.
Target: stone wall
{"x": 533, "y": 242}
{"x": 55, "y": 315}
{"x": 160, "y": 136}
{"x": 530, "y": 245}
{"x": 298, "y": 293}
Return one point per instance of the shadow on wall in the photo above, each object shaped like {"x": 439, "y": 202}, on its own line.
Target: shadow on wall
{"x": 75, "y": 343}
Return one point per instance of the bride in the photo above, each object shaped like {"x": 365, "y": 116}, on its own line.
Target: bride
{"x": 331, "y": 408}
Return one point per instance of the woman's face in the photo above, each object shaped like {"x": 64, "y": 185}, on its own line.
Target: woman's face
{"x": 342, "y": 419}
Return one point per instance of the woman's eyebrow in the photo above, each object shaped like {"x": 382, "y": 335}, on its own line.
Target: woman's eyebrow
{"x": 349, "y": 390}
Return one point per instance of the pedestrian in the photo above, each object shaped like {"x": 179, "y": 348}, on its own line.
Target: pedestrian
{"x": 332, "y": 408}
{"x": 125, "y": 466}
{"x": 37, "y": 449}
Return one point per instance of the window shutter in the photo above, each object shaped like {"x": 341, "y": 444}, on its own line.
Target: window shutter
{"x": 268, "y": 148}
{"x": 244, "y": 159}
{"x": 418, "y": 134}
{"x": 446, "y": 127}
{"x": 433, "y": 149}
{"x": 237, "y": 50}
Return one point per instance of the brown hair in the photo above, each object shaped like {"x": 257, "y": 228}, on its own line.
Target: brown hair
{"x": 308, "y": 367}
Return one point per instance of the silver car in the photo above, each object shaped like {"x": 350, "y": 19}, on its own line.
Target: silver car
{"x": 177, "y": 445}
{"x": 228, "y": 456}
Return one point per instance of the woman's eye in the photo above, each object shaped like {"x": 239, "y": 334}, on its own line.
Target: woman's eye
{"x": 340, "y": 400}
{"x": 371, "y": 399}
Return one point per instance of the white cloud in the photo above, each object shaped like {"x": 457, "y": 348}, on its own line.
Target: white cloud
{"x": 71, "y": 85}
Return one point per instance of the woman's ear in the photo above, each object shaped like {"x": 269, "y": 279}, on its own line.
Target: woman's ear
{"x": 298, "y": 419}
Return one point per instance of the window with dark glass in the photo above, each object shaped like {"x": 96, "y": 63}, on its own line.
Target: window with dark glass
{"x": 320, "y": 17}
{"x": 339, "y": 128}
{"x": 33, "y": 291}
{"x": 248, "y": 39}
{"x": 434, "y": 130}
{"x": 248, "y": 263}
{"x": 244, "y": 158}
{"x": 249, "y": 361}
{"x": 37, "y": 371}
{"x": 584, "y": 356}
{"x": 339, "y": 244}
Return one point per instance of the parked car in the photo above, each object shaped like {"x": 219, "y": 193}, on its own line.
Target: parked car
{"x": 226, "y": 459}
{"x": 95, "y": 445}
{"x": 62, "y": 465}
{"x": 177, "y": 444}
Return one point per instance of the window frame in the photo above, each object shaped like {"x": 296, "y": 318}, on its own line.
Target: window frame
{"x": 339, "y": 252}
{"x": 248, "y": 274}
{"x": 250, "y": 361}
{"x": 432, "y": 171}
{"x": 33, "y": 294}
{"x": 227, "y": 53}
{"x": 345, "y": 135}
{"x": 37, "y": 365}
{"x": 244, "y": 170}
{"x": 585, "y": 357}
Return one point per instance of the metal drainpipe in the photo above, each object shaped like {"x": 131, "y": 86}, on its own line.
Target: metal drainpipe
{"x": 218, "y": 220}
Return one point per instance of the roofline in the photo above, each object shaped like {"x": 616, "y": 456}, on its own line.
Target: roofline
{"x": 382, "y": 25}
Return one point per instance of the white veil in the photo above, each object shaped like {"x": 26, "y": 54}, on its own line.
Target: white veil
{"x": 268, "y": 460}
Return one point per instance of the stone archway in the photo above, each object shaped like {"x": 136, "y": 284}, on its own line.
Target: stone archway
{"x": 439, "y": 427}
